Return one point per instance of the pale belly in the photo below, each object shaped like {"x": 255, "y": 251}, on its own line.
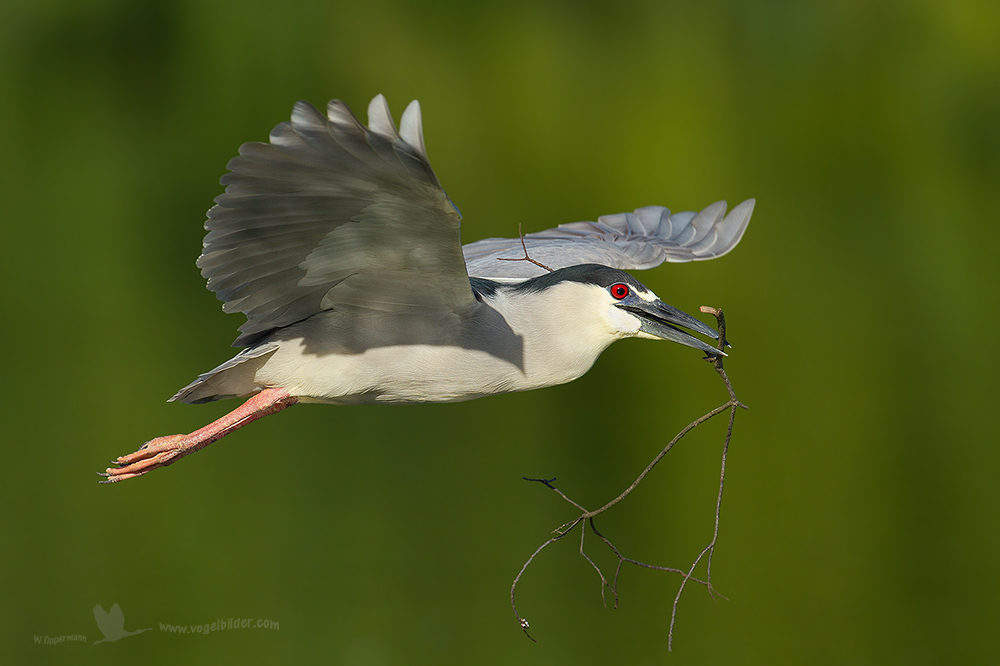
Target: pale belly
{"x": 399, "y": 374}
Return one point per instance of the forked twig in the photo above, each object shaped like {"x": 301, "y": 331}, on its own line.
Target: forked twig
{"x": 587, "y": 517}
{"x": 525, "y": 257}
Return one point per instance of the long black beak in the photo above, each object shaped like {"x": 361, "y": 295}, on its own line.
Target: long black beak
{"x": 661, "y": 320}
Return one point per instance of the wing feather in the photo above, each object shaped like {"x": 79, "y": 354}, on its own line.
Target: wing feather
{"x": 629, "y": 241}
{"x": 329, "y": 214}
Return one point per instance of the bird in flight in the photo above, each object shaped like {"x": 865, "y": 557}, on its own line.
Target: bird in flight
{"x": 112, "y": 624}
{"x": 340, "y": 246}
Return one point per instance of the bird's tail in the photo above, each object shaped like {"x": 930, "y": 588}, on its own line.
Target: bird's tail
{"x": 234, "y": 378}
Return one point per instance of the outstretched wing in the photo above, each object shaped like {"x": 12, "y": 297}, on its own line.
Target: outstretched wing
{"x": 116, "y": 619}
{"x": 332, "y": 213}
{"x": 103, "y": 622}
{"x": 628, "y": 241}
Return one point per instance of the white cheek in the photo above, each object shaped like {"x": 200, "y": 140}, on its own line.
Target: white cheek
{"x": 647, "y": 296}
{"x": 622, "y": 322}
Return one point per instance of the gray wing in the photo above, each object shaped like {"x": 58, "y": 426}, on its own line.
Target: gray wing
{"x": 332, "y": 213}
{"x": 629, "y": 241}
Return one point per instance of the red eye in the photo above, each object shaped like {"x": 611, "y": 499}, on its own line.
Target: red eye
{"x": 619, "y": 290}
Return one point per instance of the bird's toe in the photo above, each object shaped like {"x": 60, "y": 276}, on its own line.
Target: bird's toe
{"x": 158, "y": 444}
{"x": 155, "y": 453}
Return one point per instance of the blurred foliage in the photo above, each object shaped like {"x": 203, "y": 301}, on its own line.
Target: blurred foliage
{"x": 860, "y": 510}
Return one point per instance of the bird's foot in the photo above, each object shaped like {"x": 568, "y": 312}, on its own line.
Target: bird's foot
{"x": 155, "y": 453}
{"x": 164, "y": 451}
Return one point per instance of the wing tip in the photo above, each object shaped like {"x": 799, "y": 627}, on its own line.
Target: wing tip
{"x": 380, "y": 118}
{"x": 728, "y": 230}
{"x": 411, "y": 127}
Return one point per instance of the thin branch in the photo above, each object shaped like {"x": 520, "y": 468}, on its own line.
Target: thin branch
{"x": 523, "y": 622}
{"x": 587, "y": 517}
{"x": 525, "y": 258}
{"x": 732, "y": 405}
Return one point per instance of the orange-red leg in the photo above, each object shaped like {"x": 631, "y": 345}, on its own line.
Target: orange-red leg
{"x": 167, "y": 450}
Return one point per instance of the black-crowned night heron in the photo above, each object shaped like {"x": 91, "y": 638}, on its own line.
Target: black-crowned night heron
{"x": 338, "y": 243}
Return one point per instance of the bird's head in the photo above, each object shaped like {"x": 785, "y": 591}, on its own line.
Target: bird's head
{"x": 607, "y": 304}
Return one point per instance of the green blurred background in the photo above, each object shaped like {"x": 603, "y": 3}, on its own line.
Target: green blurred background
{"x": 859, "y": 521}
